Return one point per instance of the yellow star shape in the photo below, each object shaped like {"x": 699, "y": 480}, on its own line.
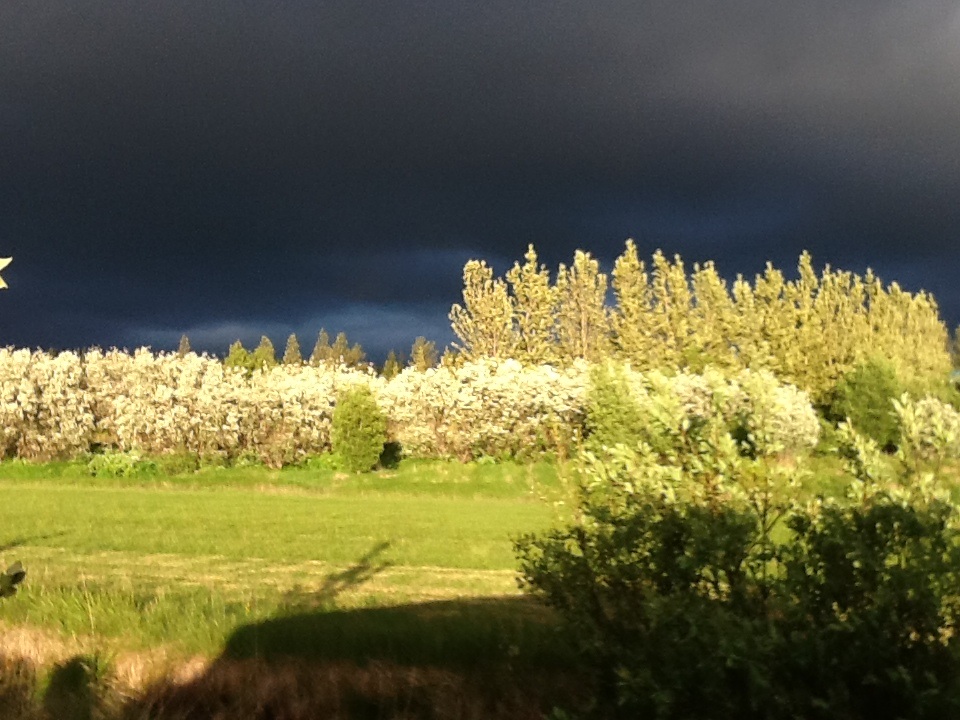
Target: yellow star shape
{"x": 3, "y": 263}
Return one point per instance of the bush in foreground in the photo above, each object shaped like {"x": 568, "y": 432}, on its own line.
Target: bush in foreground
{"x": 696, "y": 588}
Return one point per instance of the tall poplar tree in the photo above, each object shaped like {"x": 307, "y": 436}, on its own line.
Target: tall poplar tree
{"x": 583, "y": 322}
{"x": 534, "y": 311}
{"x": 631, "y": 318}
{"x": 484, "y": 323}
{"x": 713, "y": 321}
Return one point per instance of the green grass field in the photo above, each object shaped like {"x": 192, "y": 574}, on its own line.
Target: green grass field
{"x": 185, "y": 561}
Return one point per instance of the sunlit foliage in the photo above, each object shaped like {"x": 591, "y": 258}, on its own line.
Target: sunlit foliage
{"x": 809, "y": 331}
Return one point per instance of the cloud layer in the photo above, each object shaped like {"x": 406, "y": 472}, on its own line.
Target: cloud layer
{"x": 184, "y": 165}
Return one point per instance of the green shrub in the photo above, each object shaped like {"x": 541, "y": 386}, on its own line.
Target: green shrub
{"x": 865, "y": 396}
{"x": 359, "y": 429}
{"x": 181, "y": 463}
{"x": 613, "y": 416}
{"x": 121, "y": 464}
{"x": 694, "y": 587}
{"x": 869, "y": 611}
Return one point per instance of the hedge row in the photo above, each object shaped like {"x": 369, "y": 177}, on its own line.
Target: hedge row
{"x": 65, "y": 405}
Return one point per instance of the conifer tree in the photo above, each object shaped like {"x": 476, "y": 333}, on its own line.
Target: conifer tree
{"x": 423, "y": 354}
{"x": 355, "y": 356}
{"x": 184, "y": 346}
{"x": 583, "y": 323}
{"x": 264, "y": 355}
{"x": 340, "y": 349}
{"x": 291, "y": 354}
{"x": 237, "y": 356}
{"x": 534, "y": 311}
{"x": 391, "y": 367}
{"x": 343, "y": 353}
{"x": 484, "y": 323}
{"x": 321, "y": 350}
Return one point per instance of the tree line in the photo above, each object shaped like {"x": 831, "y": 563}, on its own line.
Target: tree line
{"x": 810, "y": 331}
{"x": 339, "y": 352}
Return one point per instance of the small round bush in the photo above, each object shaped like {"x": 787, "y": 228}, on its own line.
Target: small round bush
{"x": 865, "y": 395}
{"x": 359, "y": 429}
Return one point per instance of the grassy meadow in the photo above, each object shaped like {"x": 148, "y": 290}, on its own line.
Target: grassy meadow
{"x": 410, "y": 567}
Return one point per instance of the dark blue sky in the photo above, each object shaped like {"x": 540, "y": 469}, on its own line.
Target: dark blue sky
{"x": 229, "y": 168}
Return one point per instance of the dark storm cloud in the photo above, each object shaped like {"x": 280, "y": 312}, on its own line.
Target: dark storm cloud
{"x": 221, "y": 166}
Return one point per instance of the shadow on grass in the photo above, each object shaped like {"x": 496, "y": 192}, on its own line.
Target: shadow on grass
{"x": 465, "y": 634}
{"x": 490, "y": 659}
{"x": 497, "y": 657}
{"x": 470, "y": 659}
{"x": 74, "y": 689}
{"x": 364, "y": 569}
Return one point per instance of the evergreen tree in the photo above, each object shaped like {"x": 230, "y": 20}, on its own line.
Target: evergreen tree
{"x": 340, "y": 349}
{"x": 391, "y": 368}
{"x": 355, "y": 356}
{"x": 321, "y": 351}
{"x": 184, "y": 347}
{"x": 338, "y": 353}
{"x": 264, "y": 355}
{"x": 423, "y": 354}
{"x": 291, "y": 354}
{"x": 237, "y": 356}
